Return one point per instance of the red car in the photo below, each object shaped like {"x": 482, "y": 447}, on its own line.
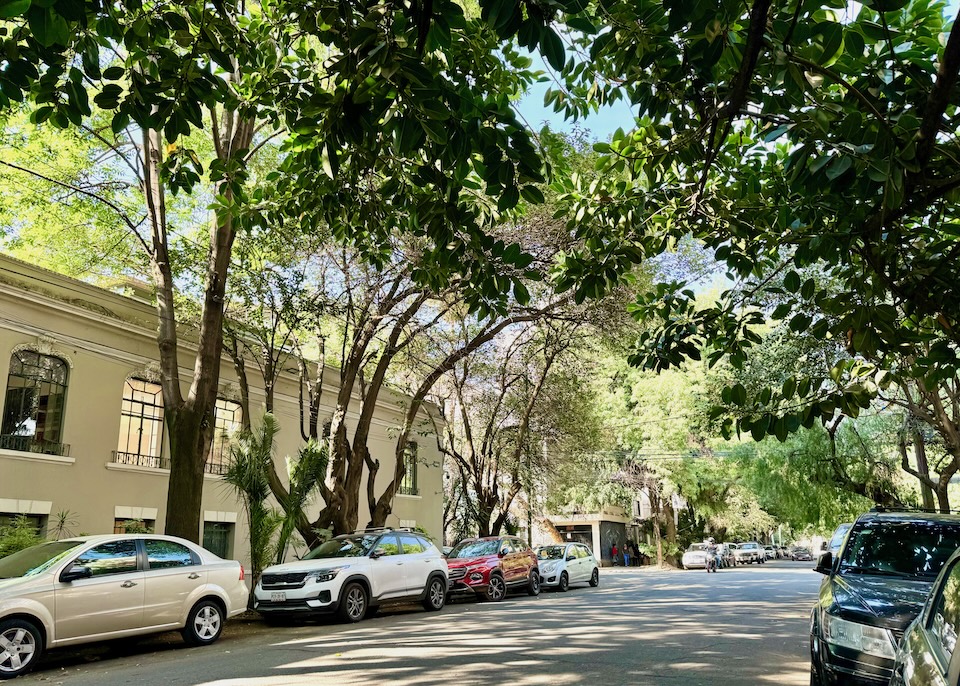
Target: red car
{"x": 491, "y": 567}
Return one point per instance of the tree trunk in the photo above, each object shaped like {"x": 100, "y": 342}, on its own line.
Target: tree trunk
{"x": 189, "y": 433}
{"x": 920, "y": 453}
{"x": 671, "y": 530}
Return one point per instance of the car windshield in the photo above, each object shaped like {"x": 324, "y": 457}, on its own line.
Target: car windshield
{"x": 696, "y": 548}
{"x": 551, "y": 552}
{"x": 348, "y": 546}
{"x": 475, "y": 549}
{"x": 35, "y": 559}
{"x": 749, "y": 546}
{"x": 902, "y": 548}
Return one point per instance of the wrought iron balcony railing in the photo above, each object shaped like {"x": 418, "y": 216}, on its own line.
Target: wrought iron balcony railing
{"x": 32, "y": 444}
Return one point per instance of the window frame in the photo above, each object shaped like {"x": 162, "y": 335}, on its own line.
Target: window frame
{"x": 409, "y": 484}
{"x": 139, "y": 557}
{"x": 57, "y": 446}
{"x": 194, "y": 558}
{"x": 406, "y": 535}
{"x": 140, "y": 456}
{"x": 943, "y": 661}
{"x": 219, "y": 453}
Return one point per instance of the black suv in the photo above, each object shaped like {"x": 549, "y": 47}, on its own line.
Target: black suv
{"x": 874, "y": 588}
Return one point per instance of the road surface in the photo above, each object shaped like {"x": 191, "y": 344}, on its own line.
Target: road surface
{"x": 741, "y": 626}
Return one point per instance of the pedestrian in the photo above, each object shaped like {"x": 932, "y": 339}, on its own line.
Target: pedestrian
{"x": 626, "y": 554}
{"x": 615, "y": 553}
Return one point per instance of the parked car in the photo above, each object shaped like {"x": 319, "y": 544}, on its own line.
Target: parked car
{"x": 94, "y": 588}
{"x": 353, "y": 574}
{"x": 565, "y": 564}
{"x": 801, "y": 555}
{"x": 770, "y": 552}
{"x": 887, "y": 567}
{"x": 750, "y": 552}
{"x": 727, "y": 558}
{"x": 695, "y": 557}
{"x": 491, "y": 567}
{"x": 927, "y": 655}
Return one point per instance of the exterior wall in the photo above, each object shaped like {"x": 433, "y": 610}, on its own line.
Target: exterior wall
{"x": 105, "y": 338}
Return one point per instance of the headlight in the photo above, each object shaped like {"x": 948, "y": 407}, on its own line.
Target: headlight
{"x": 549, "y": 567}
{"x": 324, "y": 575}
{"x": 866, "y": 639}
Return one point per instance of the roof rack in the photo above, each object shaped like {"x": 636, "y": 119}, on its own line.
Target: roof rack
{"x": 383, "y": 529}
{"x": 927, "y": 510}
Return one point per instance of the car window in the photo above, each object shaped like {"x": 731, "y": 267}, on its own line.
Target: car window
{"x": 913, "y": 548}
{"x": 582, "y": 551}
{"x": 388, "y": 545}
{"x": 167, "y": 554}
{"x": 506, "y": 546}
{"x": 116, "y": 557}
{"x": 427, "y": 544}
{"x": 344, "y": 546}
{"x": 518, "y": 545}
{"x": 550, "y": 552}
{"x": 411, "y": 544}
{"x": 945, "y": 622}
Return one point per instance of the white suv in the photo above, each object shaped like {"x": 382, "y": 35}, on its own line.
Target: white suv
{"x": 353, "y": 574}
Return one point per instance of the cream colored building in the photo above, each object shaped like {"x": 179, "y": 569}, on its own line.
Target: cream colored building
{"x": 82, "y": 428}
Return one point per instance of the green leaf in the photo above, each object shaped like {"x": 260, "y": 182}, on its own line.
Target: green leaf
{"x": 791, "y": 281}
{"x": 551, "y": 45}
{"x": 113, "y": 73}
{"x": 738, "y": 395}
{"x": 13, "y": 8}
{"x": 48, "y": 27}
{"x": 532, "y": 194}
{"x": 800, "y": 323}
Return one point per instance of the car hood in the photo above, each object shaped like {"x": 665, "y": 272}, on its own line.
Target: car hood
{"x": 888, "y": 602}
{"x": 313, "y": 565}
{"x": 24, "y": 585}
{"x": 454, "y": 562}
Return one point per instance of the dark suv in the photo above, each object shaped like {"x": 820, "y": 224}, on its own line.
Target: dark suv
{"x": 490, "y": 567}
{"x": 874, "y": 588}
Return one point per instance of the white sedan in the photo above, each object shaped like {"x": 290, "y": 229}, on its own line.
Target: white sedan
{"x": 563, "y": 564}
{"x": 95, "y": 588}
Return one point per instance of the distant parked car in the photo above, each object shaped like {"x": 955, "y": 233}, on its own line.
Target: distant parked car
{"x": 888, "y": 565}
{"x": 928, "y": 654}
{"x": 490, "y": 567}
{"x": 727, "y": 558}
{"x": 801, "y": 555}
{"x": 353, "y": 573}
{"x": 695, "y": 557}
{"x": 770, "y": 552}
{"x": 93, "y": 588}
{"x": 750, "y": 552}
{"x": 565, "y": 564}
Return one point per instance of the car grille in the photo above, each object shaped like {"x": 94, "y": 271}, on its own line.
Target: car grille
{"x": 457, "y": 573}
{"x": 293, "y": 579}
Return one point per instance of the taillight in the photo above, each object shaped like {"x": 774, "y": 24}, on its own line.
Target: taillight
{"x": 242, "y": 573}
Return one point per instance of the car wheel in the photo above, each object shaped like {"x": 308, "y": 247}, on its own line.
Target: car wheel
{"x": 204, "y": 624}
{"x": 595, "y": 578}
{"x": 533, "y": 584}
{"x": 353, "y": 603}
{"x": 21, "y": 645}
{"x": 436, "y": 595}
{"x": 496, "y": 589}
{"x": 564, "y": 582}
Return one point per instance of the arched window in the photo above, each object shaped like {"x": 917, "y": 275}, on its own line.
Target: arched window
{"x": 34, "y": 404}
{"x": 141, "y": 424}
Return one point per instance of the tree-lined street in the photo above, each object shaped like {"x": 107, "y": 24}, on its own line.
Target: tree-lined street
{"x": 641, "y": 626}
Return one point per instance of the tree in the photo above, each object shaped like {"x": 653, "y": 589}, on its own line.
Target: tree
{"x": 389, "y": 122}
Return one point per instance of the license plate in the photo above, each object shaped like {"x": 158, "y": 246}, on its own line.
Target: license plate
{"x": 278, "y": 597}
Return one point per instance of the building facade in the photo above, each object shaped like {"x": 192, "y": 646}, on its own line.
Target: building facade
{"x": 83, "y": 447}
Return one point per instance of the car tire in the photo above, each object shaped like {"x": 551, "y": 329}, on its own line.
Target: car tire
{"x": 436, "y": 595}
{"x": 496, "y": 589}
{"x": 353, "y": 603}
{"x": 564, "y": 583}
{"x": 204, "y": 623}
{"x": 533, "y": 583}
{"x": 28, "y": 641}
{"x": 595, "y": 578}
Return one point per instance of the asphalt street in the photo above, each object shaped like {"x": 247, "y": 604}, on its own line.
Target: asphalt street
{"x": 740, "y": 626}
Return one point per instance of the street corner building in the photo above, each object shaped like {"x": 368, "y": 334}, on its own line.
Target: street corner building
{"x": 83, "y": 447}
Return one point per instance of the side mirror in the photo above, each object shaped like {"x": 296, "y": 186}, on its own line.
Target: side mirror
{"x": 378, "y": 553}
{"x": 502, "y": 553}
{"x": 825, "y": 564}
{"x": 75, "y": 572}
{"x": 571, "y": 558}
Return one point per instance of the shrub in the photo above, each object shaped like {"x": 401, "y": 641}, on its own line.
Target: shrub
{"x": 17, "y": 535}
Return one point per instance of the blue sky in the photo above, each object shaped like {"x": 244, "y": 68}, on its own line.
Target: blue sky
{"x": 606, "y": 121}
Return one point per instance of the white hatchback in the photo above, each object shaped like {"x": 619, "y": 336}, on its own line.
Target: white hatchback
{"x": 563, "y": 564}
{"x": 354, "y": 573}
{"x": 96, "y": 588}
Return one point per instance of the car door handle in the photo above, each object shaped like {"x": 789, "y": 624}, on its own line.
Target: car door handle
{"x": 194, "y": 576}
{"x": 128, "y": 584}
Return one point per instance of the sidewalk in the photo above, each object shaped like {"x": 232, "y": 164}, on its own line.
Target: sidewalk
{"x": 643, "y": 569}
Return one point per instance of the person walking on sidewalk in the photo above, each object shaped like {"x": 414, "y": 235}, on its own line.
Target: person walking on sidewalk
{"x": 615, "y": 554}
{"x": 626, "y": 554}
